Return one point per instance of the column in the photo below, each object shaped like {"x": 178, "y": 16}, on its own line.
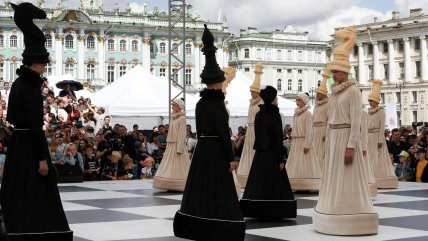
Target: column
{"x": 199, "y": 59}
{"x": 361, "y": 66}
{"x": 424, "y": 58}
{"x": 146, "y": 53}
{"x": 376, "y": 67}
{"x": 81, "y": 56}
{"x": 391, "y": 62}
{"x": 407, "y": 63}
{"x": 58, "y": 52}
{"x": 101, "y": 56}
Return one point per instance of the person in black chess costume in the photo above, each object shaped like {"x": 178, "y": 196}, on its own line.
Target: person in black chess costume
{"x": 210, "y": 207}
{"x": 30, "y": 201}
{"x": 268, "y": 193}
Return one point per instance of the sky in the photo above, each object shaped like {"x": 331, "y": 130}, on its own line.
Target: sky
{"x": 318, "y": 17}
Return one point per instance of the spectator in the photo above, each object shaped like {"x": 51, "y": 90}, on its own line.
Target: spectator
{"x": 92, "y": 167}
{"x": 421, "y": 166}
{"x": 152, "y": 146}
{"x": 111, "y": 167}
{"x": 2, "y": 159}
{"x": 62, "y": 113}
{"x": 98, "y": 116}
{"x": 127, "y": 141}
{"x": 190, "y": 142}
{"x": 148, "y": 170}
{"x": 68, "y": 93}
{"x": 60, "y": 149}
{"x": 82, "y": 144}
{"x": 45, "y": 93}
{"x": 239, "y": 144}
{"x": 161, "y": 140}
{"x": 73, "y": 157}
{"x": 87, "y": 120}
{"x": 135, "y": 128}
{"x": 396, "y": 146}
{"x": 126, "y": 172}
{"x": 404, "y": 170}
{"x": 106, "y": 125}
{"x": 5, "y": 91}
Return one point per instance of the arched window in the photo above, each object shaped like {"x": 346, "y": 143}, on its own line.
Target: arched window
{"x": 122, "y": 45}
{"x": 13, "y": 41}
{"x": 175, "y": 48}
{"x": 110, "y": 45}
{"x": 1, "y": 41}
{"x": 162, "y": 48}
{"x": 48, "y": 43}
{"x": 188, "y": 49}
{"x": 90, "y": 72}
{"x": 279, "y": 85}
{"x": 300, "y": 85}
{"x": 134, "y": 44}
{"x": 90, "y": 42}
{"x": 69, "y": 42}
{"x": 289, "y": 84}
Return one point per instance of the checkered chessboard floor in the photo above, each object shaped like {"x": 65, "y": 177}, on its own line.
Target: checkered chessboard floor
{"x": 133, "y": 210}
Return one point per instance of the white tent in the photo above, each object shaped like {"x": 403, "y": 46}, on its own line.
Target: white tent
{"x": 53, "y": 79}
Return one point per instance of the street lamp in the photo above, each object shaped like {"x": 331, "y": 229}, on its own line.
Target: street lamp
{"x": 400, "y": 85}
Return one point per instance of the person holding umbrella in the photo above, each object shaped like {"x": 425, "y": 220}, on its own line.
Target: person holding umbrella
{"x": 68, "y": 87}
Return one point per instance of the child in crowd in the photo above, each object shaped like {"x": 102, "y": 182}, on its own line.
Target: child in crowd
{"x": 92, "y": 167}
{"x": 421, "y": 166}
{"x": 111, "y": 167}
{"x": 126, "y": 172}
{"x": 404, "y": 170}
{"x": 148, "y": 171}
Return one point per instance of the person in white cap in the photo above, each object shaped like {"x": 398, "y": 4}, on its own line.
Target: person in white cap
{"x": 378, "y": 151}
{"x": 302, "y": 166}
{"x": 320, "y": 119}
{"x": 248, "y": 151}
{"x": 344, "y": 205}
{"x": 175, "y": 164}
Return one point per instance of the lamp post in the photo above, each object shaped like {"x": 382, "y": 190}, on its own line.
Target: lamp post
{"x": 400, "y": 86}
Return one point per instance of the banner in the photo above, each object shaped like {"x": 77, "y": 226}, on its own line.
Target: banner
{"x": 391, "y": 115}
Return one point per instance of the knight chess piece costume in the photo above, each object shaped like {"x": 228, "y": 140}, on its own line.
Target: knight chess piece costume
{"x": 268, "y": 194}
{"x": 210, "y": 207}
{"x": 31, "y": 204}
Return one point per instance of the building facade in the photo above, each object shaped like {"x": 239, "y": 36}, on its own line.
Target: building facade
{"x": 292, "y": 62}
{"x": 98, "y": 46}
{"x": 395, "y": 51}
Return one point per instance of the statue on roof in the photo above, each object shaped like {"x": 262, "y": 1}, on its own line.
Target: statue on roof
{"x": 145, "y": 8}
{"x": 40, "y": 3}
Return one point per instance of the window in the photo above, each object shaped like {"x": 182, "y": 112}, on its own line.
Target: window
{"x": 418, "y": 44}
{"x": 174, "y": 73}
{"x": 300, "y": 85}
{"x": 418, "y": 69}
{"x": 385, "y": 71}
{"x": 382, "y": 98}
{"x": 1, "y": 71}
{"x": 398, "y": 96}
{"x": 152, "y": 48}
{"x": 401, "y": 67}
{"x": 188, "y": 76}
{"x": 134, "y": 45}
{"x": 110, "y": 45}
{"x": 69, "y": 69}
{"x": 69, "y": 42}
{"x": 90, "y": 72}
{"x": 48, "y": 43}
{"x": 48, "y": 71}
{"x": 319, "y": 56}
{"x": 415, "y": 116}
{"x": 300, "y": 55}
{"x": 289, "y": 84}
{"x": 188, "y": 49}
{"x": 162, "y": 72}
{"x": 278, "y": 54}
{"x": 162, "y": 48}
{"x": 268, "y": 53}
{"x": 259, "y": 53}
{"x": 13, "y": 67}
{"x": 236, "y": 53}
{"x": 1, "y": 41}
{"x": 356, "y": 72}
{"x": 289, "y": 71}
{"x": 414, "y": 96}
{"x": 230, "y": 56}
{"x": 370, "y": 49}
{"x": 279, "y": 71}
{"x": 122, "y": 70}
{"x": 122, "y": 45}
{"x": 110, "y": 74}
{"x": 246, "y": 69}
{"x": 400, "y": 46}
{"x": 319, "y": 71}
{"x": 385, "y": 47}
{"x": 90, "y": 42}
{"x": 370, "y": 71}
{"x": 246, "y": 53}
{"x": 279, "y": 85}
{"x": 13, "y": 41}
{"x": 355, "y": 50}
{"x": 174, "y": 48}
{"x": 318, "y": 83}
{"x": 299, "y": 71}
{"x": 289, "y": 55}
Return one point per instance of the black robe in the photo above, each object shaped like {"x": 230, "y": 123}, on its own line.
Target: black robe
{"x": 210, "y": 207}
{"x": 268, "y": 192}
{"x": 31, "y": 205}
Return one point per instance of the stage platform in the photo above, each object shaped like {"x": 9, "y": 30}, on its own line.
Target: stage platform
{"x": 133, "y": 210}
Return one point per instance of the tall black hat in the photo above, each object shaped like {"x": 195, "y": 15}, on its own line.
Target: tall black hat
{"x": 211, "y": 73}
{"x": 268, "y": 94}
{"x": 34, "y": 39}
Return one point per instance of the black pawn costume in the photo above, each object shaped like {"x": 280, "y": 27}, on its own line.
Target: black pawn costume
{"x": 210, "y": 207}
{"x": 268, "y": 193}
{"x": 31, "y": 205}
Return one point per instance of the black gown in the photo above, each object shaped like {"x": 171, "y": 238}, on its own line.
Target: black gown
{"x": 31, "y": 205}
{"x": 268, "y": 193}
{"x": 210, "y": 206}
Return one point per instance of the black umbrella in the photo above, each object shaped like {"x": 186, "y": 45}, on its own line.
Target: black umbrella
{"x": 75, "y": 86}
